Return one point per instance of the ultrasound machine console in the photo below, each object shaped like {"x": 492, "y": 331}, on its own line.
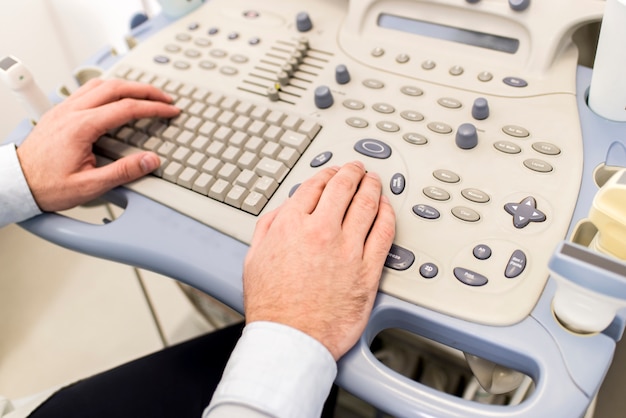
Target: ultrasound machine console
{"x": 475, "y": 115}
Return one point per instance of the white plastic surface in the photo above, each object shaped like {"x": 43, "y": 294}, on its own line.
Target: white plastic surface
{"x": 607, "y": 93}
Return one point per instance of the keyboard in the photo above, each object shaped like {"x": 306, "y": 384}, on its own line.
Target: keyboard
{"x": 221, "y": 147}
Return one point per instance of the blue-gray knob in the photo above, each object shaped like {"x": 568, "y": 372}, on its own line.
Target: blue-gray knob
{"x": 303, "y": 22}
{"x": 480, "y": 109}
{"x": 466, "y": 136}
{"x": 519, "y": 5}
{"x": 341, "y": 74}
{"x": 472, "y": 1}
{"x": 323, "y": 97}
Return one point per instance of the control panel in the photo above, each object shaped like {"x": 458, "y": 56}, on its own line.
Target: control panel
{"x": 467, "y": 111}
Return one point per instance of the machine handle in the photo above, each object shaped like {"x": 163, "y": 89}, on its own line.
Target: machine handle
{"x": 151, "y": 236}
{"x": 154, "y": 237}
{"x": 527, "y": 347}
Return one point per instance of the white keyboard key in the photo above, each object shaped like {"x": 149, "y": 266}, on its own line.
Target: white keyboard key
{"x": 185, "y": 138}
{"x": 257, "y": 128}
{"x": 246, "y": 178}
{"x": 275, "y": 117}
{"x": 236, "y": 196}
{"x": 215, "y": 149}
{"x": 228, "y": 172}
{"x": 152, "y": 144}
{"x": 231, "y": 154}
{"x": 172, "y": 170}
{"x": 200, "y": 143}
{"x": 273, "y": 133}
{"x": 114, "y": 149}
{"x": 181, "y": 154}
{"x": 203, "y": 183}
{"x": 248, "y": 160}
{"x": 270, "y": 150}
{"x": 219, "y": 190}
{"x": 295, "y": 140}
{"x": 254, "y": 203}
{"x": 266, "y": 186}
{"x": 187, "y": 177}
{"x": 271, "y": 168}
{"x": 288, "y": 156}
{"x": 212, "y": 166}
{"x": 196, "y": 160}
{"x": 309, "y": 128}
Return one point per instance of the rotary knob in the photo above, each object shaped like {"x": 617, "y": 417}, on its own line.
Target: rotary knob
{"x": 480, "y": 109}
{"x": 323, "y": 97}
{"x": 519, "y": 5}
{"x": 341, "y": 74}
{"x": 303, "y": 22}
{"x": 466, "y": 136}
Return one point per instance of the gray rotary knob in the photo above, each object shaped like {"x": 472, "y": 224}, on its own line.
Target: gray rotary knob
{"x": 480, "y": 109}
{"x": 323, "y": 97}
{"x": 341, "y": 74}
{"x": 466, "y": 136}
{"x": 519, "y": 5}
{"x": 303, "y": 22}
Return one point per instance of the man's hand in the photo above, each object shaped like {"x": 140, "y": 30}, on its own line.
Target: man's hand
{"x": 57, "y": 157}
{"x": 315, "y": 262}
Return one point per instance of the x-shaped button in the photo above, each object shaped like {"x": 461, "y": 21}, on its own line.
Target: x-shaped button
{"x": 525, "y": 212}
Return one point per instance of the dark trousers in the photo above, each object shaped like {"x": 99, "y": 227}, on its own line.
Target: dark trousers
{"x": 177, "y": 381}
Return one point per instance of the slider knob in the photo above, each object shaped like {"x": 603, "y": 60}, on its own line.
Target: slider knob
{"x": 341, "y": 74}
{"x": 466, "y": 136}
{"x": 323, "y": 97}
{"x": 303, "y": 22}
{"x": 480, "y": 109}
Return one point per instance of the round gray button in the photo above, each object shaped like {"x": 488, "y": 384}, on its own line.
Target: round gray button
{"x": 482, "y": 252}
{"x": 428, "y": 270}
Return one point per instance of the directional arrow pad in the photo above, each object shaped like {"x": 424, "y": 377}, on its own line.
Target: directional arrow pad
{"x": 525, "y": 212}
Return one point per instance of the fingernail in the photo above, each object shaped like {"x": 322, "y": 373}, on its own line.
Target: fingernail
{"x": 384, "y": 199}
{"x": 149, "y": 163}
{"x": 359, "y": 164}
{"x": 373, "y": 175}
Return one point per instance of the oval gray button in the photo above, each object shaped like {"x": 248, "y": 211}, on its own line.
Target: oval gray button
{"x": 516, "y": 264}
{"x": 538, "y": 165}
{"x": 373, "y": 148}
{"x": 397, "y": 183}
{"x": 436, "y": 193}
{"x": 507, "y": 147}
{"x": 446, "y": 176}
{"x": 414, "y": 138}
{"x": 469, "y": 277}
{"x": 426, "y": 212}
{"x": 466, "y": 214}
{"x": 399, "y": 258}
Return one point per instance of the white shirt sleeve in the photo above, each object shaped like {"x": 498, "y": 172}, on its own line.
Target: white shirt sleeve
{"x": 16, "y": 201}
{"x": 274, "y": 371}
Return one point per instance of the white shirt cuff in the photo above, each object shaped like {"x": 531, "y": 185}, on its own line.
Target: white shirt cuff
{"x": 16, "y": 200}
{"x": 276, "y": 370}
